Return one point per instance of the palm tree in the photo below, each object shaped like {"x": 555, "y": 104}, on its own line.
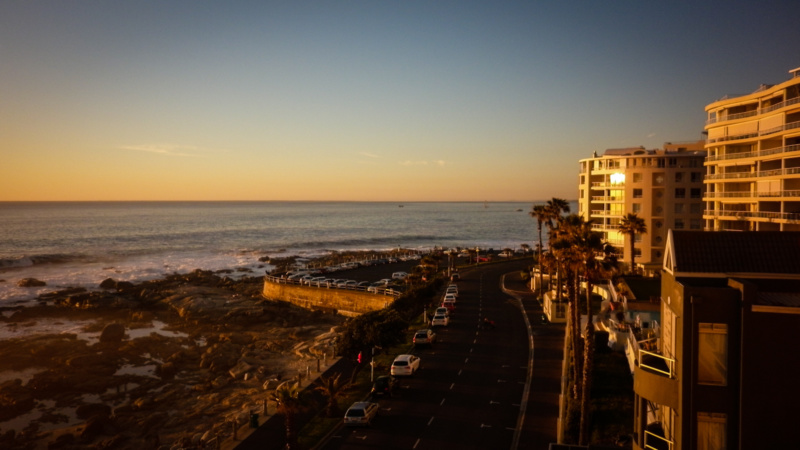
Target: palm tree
{"x": 541, "y": 214}
{"x": 332, "y": 387}
{"x": 588, "y": 245}
{"x": 631, "y": 224}
{"x": 556, "y": 208}
{"x": 290, "y": 401}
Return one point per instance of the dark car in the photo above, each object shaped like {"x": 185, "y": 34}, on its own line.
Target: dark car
{"x": 384, "y": 385}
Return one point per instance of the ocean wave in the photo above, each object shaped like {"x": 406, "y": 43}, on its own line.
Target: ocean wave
{"x": 371, "y": 243}
{"x": 34, "y": 260}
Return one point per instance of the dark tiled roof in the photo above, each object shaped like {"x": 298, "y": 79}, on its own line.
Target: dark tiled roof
{"x": 757, "y": 252}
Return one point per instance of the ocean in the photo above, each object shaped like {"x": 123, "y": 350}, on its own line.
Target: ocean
{"x": 79, "y": 244}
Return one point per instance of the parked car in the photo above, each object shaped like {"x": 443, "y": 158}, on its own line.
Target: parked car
{"x": 384, "y": 385}
{"x": 455, "y": 276}
{"x": 449, "y": 297}
{"x": 442, "y": 310}
{"x": 404, "y": 365}
{"x": 450, "y": 305}
{"x": 424, "y": 337}
{"x": 399, "y": 275}
{"x": 361, "y": 413}
{"x": 440, "y": 320}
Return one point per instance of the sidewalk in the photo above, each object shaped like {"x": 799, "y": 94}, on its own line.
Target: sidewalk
{"x": 539, "y": 421}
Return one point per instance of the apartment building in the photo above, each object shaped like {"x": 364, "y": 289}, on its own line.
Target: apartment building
{"x": 753, "y": 165}
{"x": 664, "y": 187}
{"x": 724, "y": 372}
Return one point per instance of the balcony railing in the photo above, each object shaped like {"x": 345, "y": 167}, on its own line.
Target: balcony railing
{"x": 756, "y": 154}
{"x": 607, "y": 184}
{"x": 661, "y": 364}
{"x": 600, "y": 226}
{"x": 656, "y": 442}
{"x": 748, "y": 194}
{"x": 600, "y": 198}
{"x": 768, "y": 109}
{"x": 760, "y": 174}
{"x": 735, "y": 137}
{"x": 793, "y": 217}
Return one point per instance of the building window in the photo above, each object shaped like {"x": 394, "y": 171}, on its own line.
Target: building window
{"x": 637, "y": 193}
{"x": 696, "y": 193}
{"x": 712, "y": 354}
{"x": 696, "y": 224}
{"x": 678, "y": 177}
{"x": 638, "y": 252}
{"x": 583, "y": 179}
{"x": 696, "y": 177}
{"x": 678, "y": 224}
{"x": 678, "y": 208}
{"x": 696, "y": 208}
{"x": 637, "y": 178}
{"x": 636, "y": 208}
{"x": 711, "y": 431}
{"x": 680, "y": 192}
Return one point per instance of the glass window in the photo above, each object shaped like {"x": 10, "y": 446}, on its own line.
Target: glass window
{"x": 711, "y": 431}
{"x": 678, "y": 208}
{"x": 696, "y": 177}
{"x": 636, "y": 208}
{"x": 678, "y": 224}
{"x": 637, "y": 193}
{"x": 696, "y": 208}
{"x": 678, "y": 177}
{"x": 696, "y": 193}
{"x": 712, "y": 354}
{"x": 680, "y": 192}
{"x": 696, "y": 224}
{"x": 637, "y": 177}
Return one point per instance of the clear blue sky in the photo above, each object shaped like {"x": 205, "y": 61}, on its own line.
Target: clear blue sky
{"x": 361, "y": 100}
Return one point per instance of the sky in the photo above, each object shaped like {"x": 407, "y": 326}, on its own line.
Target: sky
{"x": 361, "y": 100}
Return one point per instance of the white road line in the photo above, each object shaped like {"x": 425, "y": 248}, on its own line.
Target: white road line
{"x": 416, "y": 444}
{"x": 466, "y": 360}
{"x": 430, "y": 421}
{"x": 452, "y": 386}
{"x": 441, "y": 403}
{"x": 459, "y": 371}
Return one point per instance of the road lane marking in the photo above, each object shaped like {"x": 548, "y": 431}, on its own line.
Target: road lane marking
{"x": 466, "y": 360}
{"x": 459, "y": 371}
{"x": 452, "y": 386}
{"x": 501, "y": 381}
{"x": 492, "y": 402}
{"x": 416, "y": 444}
{"x": 483, "y": 425}
{"x": 442, "y": 402}
{"x": 430, "y": 421}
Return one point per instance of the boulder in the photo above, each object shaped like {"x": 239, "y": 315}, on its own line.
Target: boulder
{"x": 30, "y": 282}
{"x": 108, "y": 283}
{"x": 89, "y": 410}
{"x": 113, "y": 332}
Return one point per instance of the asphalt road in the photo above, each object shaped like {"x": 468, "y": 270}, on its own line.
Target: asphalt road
{"x": 469, "y": 390}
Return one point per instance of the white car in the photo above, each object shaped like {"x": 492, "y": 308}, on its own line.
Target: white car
{"x": 440, "y": 320}
{"x": 404, "y": 365}
{"x": 442, "y": 310}
{"x": 449, "y": 298}
{"x": 399, "y": 276}
{"x": 361, "y": 413}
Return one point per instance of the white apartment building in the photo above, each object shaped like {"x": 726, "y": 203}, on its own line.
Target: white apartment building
{"x": 753, "y": 165}
{"x": 663, "y": 186}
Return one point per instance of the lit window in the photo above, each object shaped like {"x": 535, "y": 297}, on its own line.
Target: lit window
{"x": 712, "y": 354}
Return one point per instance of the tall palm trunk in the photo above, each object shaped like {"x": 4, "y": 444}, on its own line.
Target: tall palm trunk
{"x": 588, "y": 364}
{"x": 575, "y": 338}
{"x": 541, "y": 276}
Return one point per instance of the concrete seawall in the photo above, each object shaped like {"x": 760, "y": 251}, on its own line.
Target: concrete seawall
{"x": 343, "y": 301}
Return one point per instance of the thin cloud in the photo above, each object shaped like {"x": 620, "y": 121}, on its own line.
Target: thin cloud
{"x": 651, "y": 135}
{"x": 165, "y": 149}
{"x": 369, "y": 155}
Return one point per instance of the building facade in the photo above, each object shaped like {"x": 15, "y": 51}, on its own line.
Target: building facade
{"x": 753, "y": 165}
{"x": 724, "y": 373}
{"x": 664, "y": 187}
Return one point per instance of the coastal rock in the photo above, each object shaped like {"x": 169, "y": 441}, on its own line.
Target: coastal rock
{"x": 31, "y": 282}
{"x": 92, "y": 409}
{"x": 113, "y": 332}
{"x": 108, "y": 283}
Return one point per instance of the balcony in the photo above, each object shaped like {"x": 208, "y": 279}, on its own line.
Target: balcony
{"x": 736, "y": 137}
{"x": 756, "y": 154}
{"x": 607, "y": 184}
{"x": 748, "y": 194}
{"x": 744, "y": 115}
{"x": 735, "y": 214}
{"x": 760, "y": 174}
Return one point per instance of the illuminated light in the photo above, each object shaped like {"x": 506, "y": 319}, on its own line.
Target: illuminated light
{"x": 617, "y": 178}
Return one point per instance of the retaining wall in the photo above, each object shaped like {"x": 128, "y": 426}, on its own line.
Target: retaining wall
{"x": 343, "y": 301}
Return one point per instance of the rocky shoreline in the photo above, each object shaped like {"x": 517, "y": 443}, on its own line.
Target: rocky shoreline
{"x": 160, "y": 364}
